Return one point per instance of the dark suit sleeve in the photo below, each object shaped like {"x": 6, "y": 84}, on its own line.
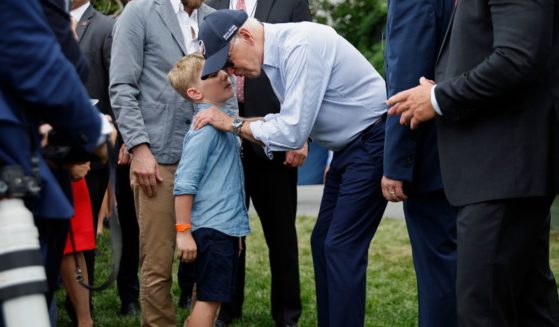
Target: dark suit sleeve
{"x": 413, "y": 33}
{"x": 107, "y": 44}
{"x": 59, "y": 21}
{"x": 522, "y": 38}
{"x": 106, "y": 62}
{"x": 34, "y": 69}
{"x": 301, "y": 12}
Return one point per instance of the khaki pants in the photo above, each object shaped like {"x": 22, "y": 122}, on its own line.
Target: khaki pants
{"x": 156, "y": 219}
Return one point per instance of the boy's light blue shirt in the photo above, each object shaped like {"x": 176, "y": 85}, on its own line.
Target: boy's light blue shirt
{"x": 210, "y": 169}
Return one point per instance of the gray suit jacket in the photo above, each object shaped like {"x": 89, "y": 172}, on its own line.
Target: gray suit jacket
{"x": 95, "y": 38}
{"x": 147, "y": 41}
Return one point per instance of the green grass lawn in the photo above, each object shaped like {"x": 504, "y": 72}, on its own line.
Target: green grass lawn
{"x": 391, "y": 289}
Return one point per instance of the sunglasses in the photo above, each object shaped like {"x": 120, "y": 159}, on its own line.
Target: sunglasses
{"x": 228, "y": 63}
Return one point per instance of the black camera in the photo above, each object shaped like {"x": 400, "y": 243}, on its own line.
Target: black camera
{"x": 60, "y": 151}
{"x": 15, "y": 184}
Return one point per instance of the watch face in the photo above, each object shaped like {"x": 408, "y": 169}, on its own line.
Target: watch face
{"x": 237, "y": 122}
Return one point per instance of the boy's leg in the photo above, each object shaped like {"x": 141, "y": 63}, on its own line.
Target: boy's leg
{"x": 186, "y": 277}
{"x": 234, "y": 310}
{"x": 203, "y": 314}
{"x": 215, "y": 265}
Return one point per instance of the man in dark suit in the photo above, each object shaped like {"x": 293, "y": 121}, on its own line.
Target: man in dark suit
{"x": 94, "y": 31}
{"x": 94, "y": 37}
{"x": 57, "y": 17}
{"x": 271, "y": 184}
{"x": 411, "y": 160}
{"x": 39, "y": 84}
{"x": 498, "y": 144}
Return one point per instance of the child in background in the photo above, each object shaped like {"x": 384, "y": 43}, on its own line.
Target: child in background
{"x": 210, "y": 209}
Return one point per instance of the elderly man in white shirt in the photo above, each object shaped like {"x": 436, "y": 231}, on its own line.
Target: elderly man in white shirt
{"x": 330, "y": 93}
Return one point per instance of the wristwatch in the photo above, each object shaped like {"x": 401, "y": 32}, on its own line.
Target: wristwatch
{"x": 237, "y": 124}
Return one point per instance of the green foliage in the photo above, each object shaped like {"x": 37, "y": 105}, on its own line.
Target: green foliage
{"x": 107, "y": 7}
{"x": 361, "y": 22}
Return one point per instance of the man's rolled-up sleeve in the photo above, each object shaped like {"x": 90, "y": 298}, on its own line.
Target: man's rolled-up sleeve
{"x": 306, "y": 80}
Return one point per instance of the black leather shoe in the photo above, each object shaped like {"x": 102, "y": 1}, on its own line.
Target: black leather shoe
{"x": 220, "y": 323}
{"x": 185, "y": 302}
{"x": 129, "y": 309}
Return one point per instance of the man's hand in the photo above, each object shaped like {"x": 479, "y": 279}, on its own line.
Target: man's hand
{"x": 414, "y": 104}
{"x": 296, "y": 158}
{"x": 392, "y": 190}
{"x": 123, "y": 156}
{"x": 146, "y": 169}
{"x": 79, "y": 171}
{"x": 214, "y": 117}
{"x": 44, "y": 130}
{"x": 186, "y": 247}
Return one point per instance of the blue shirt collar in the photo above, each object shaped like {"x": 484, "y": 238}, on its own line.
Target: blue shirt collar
{"x": 203, "y": 106}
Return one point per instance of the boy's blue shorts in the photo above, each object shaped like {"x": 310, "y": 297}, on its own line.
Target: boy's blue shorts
{"x": 215, "y": 265}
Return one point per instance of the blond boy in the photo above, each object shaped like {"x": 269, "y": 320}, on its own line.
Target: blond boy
{"x": 209, "y": 195}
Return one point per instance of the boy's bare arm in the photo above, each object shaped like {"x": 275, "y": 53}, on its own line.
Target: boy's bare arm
{"x": 186, "y": 246}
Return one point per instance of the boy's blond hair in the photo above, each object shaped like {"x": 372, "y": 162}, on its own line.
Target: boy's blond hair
{"x": 186, "y": 73}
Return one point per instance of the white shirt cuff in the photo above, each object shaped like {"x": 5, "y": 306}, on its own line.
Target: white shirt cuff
{"x": 256, "y": 130}
{"x": 269, "y": 117}
{"x": 106, "y": 129}
{"x": 434, "y": 102}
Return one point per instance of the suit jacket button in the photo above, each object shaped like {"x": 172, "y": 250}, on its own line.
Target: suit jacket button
{"x": 188, "y": 121}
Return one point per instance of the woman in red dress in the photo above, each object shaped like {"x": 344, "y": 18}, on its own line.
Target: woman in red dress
{"x": 81, "y": 226}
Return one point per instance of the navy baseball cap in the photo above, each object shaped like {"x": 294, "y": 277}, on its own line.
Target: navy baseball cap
{"x": 217, "y": 29}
